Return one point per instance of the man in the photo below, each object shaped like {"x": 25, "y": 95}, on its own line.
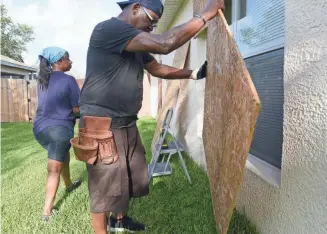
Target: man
{"x": 119, "y": 50}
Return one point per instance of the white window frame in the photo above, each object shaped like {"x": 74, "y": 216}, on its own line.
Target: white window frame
{"x": 259, "y": 50}
{"x": 264, "y": 170}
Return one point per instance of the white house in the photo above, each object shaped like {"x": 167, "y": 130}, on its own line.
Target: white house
{"x": 284, "y": 45}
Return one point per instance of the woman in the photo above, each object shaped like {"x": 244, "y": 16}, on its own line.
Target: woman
{"x": 58, "y": 98}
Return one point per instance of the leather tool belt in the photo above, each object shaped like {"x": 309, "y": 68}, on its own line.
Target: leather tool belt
{"x": 95, "y": 142}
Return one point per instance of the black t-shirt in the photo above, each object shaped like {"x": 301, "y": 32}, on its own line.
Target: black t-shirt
{"x": 114, "y": 78}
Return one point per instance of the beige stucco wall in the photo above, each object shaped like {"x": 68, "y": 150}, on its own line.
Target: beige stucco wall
{"x": 300, "y": 204}
{"x": 188, "y": 113}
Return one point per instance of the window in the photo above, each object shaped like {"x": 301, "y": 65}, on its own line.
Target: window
{"x": 258, "y": 28}
{"x": 258, "y": 25}
{"x": 266, "y": 71}
{"x": 32, "y": 76}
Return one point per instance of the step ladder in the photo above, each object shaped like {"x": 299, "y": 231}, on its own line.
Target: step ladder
{"x": 163, "y": 168}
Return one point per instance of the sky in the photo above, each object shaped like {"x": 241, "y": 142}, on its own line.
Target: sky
{"x": 64, "y": 23}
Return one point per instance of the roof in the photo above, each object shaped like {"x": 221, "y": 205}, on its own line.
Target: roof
{"x": 13, "y": 63}
{"x": 171, "y": 8}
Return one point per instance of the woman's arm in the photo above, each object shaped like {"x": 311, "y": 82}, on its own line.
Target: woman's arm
{"x": 74, "y": 93}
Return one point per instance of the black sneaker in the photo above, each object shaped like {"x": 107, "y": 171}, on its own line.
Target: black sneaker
{"x": 125, "y": 224}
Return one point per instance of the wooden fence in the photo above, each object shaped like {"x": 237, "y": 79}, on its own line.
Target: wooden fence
{"x": 18, "y": 100}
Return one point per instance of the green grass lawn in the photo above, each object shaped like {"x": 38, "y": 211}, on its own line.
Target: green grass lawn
{"x": 173, "y": 206}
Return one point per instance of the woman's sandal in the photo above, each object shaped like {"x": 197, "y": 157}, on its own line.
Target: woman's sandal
{"x": 45, "y": 218}
{"x": 74, "y": 186}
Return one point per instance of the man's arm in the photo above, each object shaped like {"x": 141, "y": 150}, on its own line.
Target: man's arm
{"x": 167, "y": 72}
{"x": 175, "y": 37}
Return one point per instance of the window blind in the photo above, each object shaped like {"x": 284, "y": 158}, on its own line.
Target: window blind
{"x": 259, "y": 25}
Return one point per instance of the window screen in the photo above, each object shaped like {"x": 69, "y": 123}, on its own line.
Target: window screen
{"x": 259, "y": 26}
{"x": 266, "y": 71}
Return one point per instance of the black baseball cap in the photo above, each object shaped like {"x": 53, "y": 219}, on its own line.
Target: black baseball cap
{"x": 154, "y": 5}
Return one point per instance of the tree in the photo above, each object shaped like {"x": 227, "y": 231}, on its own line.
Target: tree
{"x": 14, "y": 37}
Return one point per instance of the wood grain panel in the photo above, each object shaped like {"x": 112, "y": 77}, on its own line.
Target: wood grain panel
{"x": 230, "y": 113}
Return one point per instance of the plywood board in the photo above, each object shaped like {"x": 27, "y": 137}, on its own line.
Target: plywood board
{"x": 230, "y": 112}
{"x": 172, "y": 90}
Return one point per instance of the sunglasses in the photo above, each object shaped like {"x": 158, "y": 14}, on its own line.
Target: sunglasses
{"x": 153, "y": 21}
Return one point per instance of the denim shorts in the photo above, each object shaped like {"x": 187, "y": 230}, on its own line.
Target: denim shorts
{"x": 56, "y": 140}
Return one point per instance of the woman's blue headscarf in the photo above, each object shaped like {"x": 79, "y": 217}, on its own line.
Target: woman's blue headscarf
{"x": 52, "y": 54}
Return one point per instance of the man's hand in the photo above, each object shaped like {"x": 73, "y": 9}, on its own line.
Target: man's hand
{"x": 211, "y": 9}
{"x": 76, "y": 112}
{"x": 200, "y": 73}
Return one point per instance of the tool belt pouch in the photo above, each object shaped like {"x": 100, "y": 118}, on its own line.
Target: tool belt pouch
{"x": 95, "y": 143}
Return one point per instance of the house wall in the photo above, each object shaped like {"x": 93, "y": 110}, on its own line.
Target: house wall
{"x": 299, "y": 205}
{"x": 187, "y": 121}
